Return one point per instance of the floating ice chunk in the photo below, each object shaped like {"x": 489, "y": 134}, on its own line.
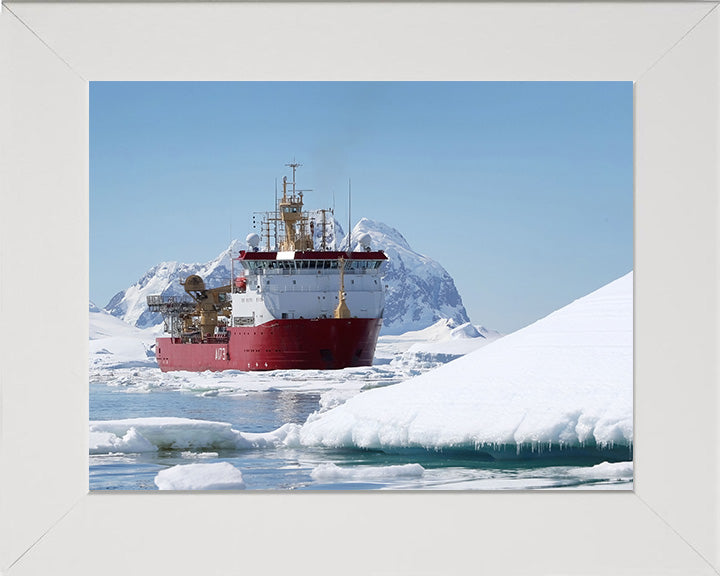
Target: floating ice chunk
{"x": 177, "y": 433}
{"x": 104, "y": 442}
{"x": 198, "y": 455}
{"x": 216, "y": 476}
{"x": 287, "y": 434}
{"x": 606, "y": 471}
{"x": 331, "y": 472}
{"x": 167, "y": 433}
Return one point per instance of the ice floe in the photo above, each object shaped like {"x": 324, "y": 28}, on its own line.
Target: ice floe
{"x": 329, "y": 472}
{"x": 184, "y": 434}
{"x": 605, "y": 471}
{"x": 215, "y": 476}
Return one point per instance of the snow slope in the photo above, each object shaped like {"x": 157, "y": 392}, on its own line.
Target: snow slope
{"x": 565, "y": 380}
{"x": 437, "y": 344}
{"x": 116, "y": 344}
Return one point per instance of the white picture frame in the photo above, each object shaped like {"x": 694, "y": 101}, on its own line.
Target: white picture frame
{"x": 50, "y": 523}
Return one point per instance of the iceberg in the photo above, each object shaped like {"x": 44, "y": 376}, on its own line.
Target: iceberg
{"x": 565, "y": 381}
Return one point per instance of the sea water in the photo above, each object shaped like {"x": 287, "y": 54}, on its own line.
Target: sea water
{"x": 283, "y": 468}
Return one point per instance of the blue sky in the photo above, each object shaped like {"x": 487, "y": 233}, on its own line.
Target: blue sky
{"x": 523, "y": 191}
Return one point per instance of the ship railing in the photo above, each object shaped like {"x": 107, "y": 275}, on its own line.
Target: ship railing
{"x": 154, "y": 300}
{"x": 294, "y": 290}
{"x": 314, "y": 271}
{"x": 217, "y": 339}
{"x": 169, "y": 305}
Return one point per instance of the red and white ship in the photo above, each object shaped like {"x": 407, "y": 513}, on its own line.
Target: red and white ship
{"x": 296, "y": 305}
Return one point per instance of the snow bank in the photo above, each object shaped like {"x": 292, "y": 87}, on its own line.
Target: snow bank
{"x": 167, "y": 433}
{"x": 564, "y": 381}
{"x": 115, "y": 344}
{"x": 217, "y": 476}
{"x": 331, "y": 472}
{"x": 417, "y": 351}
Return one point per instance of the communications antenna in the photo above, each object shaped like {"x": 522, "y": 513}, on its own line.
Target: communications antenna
{"x": 349, "y": 215}
{"x": 276, "y": 216}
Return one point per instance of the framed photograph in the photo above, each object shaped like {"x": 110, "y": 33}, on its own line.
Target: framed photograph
{"x": 49, "y": 52}
{"x": 480, "y": 283}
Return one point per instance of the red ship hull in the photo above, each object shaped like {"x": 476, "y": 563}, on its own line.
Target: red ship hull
{"x": 320, "y": 344}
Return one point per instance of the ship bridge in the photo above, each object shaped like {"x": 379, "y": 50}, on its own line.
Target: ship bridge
{"x": 308, "y": 284}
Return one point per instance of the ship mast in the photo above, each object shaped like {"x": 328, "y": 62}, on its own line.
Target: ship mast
{"x": 294, "y": 222}
{"x": 349, "y": 247}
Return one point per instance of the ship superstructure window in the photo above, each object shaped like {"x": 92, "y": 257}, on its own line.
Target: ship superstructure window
{"x": 351, "y": 266}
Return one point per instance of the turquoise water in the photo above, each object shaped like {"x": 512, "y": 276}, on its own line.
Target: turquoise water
{"x": 282, "y": 468}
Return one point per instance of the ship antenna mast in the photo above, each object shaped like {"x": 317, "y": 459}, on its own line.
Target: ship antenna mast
{"x": 232, "y": 272}
{"x": 275, "y": 220}
{"x": 349, "y": 249}
{"x": 294, "y": 165}
{"x": 232, "y": 267}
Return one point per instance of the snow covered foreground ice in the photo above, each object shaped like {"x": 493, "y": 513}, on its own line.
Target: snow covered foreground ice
{"x": 217, "y": 457}
{"x": 564, "y": 381}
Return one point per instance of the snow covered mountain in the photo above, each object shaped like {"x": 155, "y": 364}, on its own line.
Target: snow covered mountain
{"x": 420, "y": 291}
{"x": 130, "y": 305}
